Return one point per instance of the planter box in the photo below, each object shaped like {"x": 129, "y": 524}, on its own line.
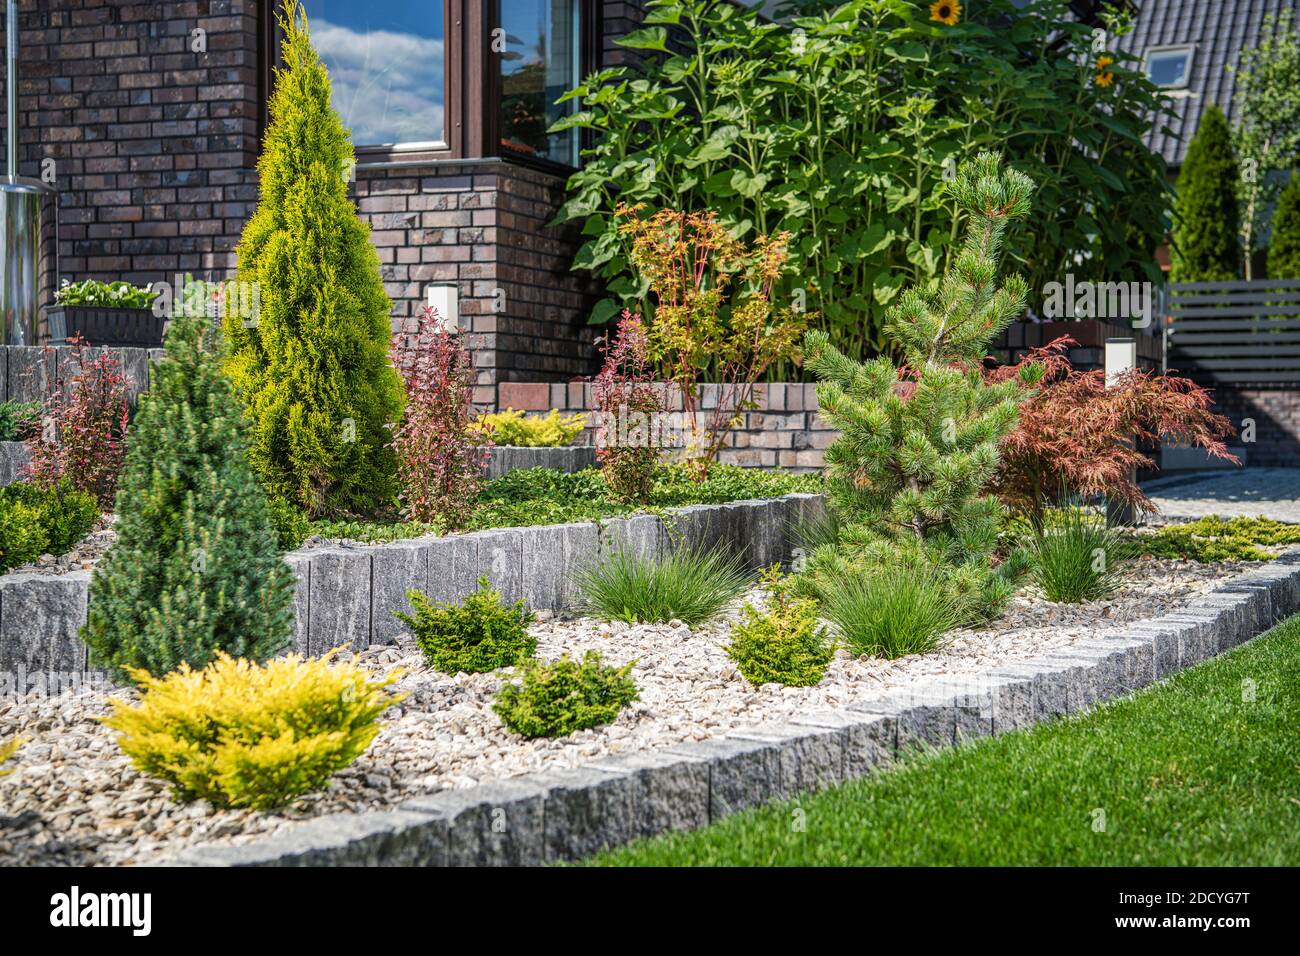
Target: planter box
{"x": 570, "y": 458}
{"x": 104, "y": 326}
{"x": 13, "y": 455}
{"x": 346, "y": 594}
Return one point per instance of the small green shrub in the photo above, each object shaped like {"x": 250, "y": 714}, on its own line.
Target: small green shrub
{"x": 7, "y": 750}
{"x": 553, "y": 700}
{"x": 783, "y": 644}
{"x": 36, "y": 520}
{"x": 18, "y": 419}
{"x": 513, "y": 427}
{"x": 112, "y": 295}
{"x": 478, "y": 636}
{"x": 22, "y": 536}
{"x": 291, "y": 524}
{"x": 687, "y": 585}
{"x": 891, "y": 612}
{"x": 1077, "y": 556}
{"x": 1213, "y": 539}
{"x": 242, "y": 735}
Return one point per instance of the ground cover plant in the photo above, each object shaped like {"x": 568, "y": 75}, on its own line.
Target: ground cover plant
{"x": 1198, "y": 770}
{"x": 195, "y": 568}
{"x": 782, "y": 643}
{"x": 477, "y": 635}
{"x": 241, "y": 735}
{"x": 1213, "y": 539}
{"x": 515, "y": 428}
{"x": 531, "y": 496}
{"x": 312, "y": 367}
{"x": 686, "y": 584}
{"x": 557, "y": 698}
{"x": 919, "y": 436}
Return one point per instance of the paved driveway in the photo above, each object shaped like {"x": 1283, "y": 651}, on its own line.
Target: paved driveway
{"x": 1252, "y": 492}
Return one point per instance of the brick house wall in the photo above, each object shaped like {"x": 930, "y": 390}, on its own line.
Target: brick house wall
{"x": 155, "y": 146}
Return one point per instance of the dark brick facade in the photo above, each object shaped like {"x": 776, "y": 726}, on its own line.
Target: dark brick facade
{"x": 1276, "y": 414}
{"x": 154, "y": 149}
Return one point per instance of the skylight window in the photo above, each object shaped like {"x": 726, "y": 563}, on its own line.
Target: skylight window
{"x": 1170, "y": 67}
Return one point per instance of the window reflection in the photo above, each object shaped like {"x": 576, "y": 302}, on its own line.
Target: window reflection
{"x": 385, "y": 60}
{"x": 538, "y": 65}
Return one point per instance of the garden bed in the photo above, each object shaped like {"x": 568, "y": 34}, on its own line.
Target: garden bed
{"x": 76, "y": 799}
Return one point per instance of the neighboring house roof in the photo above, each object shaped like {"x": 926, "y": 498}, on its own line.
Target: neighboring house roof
{"x": 1218, "y": 30}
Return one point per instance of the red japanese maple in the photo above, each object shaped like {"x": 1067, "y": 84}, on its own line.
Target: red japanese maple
{"x": 1080, "y": 437}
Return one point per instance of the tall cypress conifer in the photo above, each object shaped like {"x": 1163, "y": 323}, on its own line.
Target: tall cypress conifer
{"x": 313, "y": 367}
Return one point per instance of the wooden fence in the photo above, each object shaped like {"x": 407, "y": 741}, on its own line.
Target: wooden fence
{"x": 1235, "y": 333}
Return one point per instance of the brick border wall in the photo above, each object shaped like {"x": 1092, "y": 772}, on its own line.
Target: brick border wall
{"x": 783, "y": 431}
{"x": 1276, "y": 413}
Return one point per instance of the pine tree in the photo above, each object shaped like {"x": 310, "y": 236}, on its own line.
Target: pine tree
{"x": 1284, "y": 246}
{"x": 919, "y": 439}
{"x": 313, "y": 368}
{"x": 195, "y": 568}
{"x": 1206, "y": 246}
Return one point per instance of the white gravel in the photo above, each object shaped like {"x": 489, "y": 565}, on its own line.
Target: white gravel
{"x": 74, "y": 799}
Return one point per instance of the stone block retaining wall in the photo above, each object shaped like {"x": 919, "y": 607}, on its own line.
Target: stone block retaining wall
{"x": 346, "y": 594}
{"x": 569, "y": 814}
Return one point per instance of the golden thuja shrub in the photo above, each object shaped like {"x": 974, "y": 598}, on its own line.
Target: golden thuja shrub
{"x": 513, "y": 427}
{"x": 242, "y": 735}
{"x": 7, "y": 750}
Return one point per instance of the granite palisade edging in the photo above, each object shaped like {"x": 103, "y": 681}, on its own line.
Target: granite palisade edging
{"x": 569, "y": 814}
{"x": 503, "y": 459}
{"x": 347, "y": 593}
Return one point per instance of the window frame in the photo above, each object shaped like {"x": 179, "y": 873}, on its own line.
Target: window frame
{"x": 471, "y": 110}
{"x": 1186, "y": 49}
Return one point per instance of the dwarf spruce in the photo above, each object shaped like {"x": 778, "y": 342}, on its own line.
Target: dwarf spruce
{"x": 195, "y": 569}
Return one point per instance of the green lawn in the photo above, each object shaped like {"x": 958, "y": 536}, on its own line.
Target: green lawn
{"x": 1190, "y": 773}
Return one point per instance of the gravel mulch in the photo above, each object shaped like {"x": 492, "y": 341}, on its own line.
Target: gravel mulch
{"x": 74, "y": 799}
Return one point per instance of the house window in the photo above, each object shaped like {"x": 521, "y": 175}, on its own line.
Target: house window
{"x": 1170, "y": 67}
{"x": 386, "y": 65}
{"x": 538, "y": 44}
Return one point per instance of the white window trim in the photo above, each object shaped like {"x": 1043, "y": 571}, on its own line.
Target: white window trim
{"x": 1186, "y": 48}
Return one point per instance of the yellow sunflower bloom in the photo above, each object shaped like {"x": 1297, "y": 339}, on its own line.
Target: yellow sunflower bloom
{"x": 948, "y": 13}
{"x": 1104, "y": 76}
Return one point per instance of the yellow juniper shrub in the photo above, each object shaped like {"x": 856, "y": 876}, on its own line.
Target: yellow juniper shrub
{"x": 7, "y": 750}
{"x": 242, "y": 735}
{"x": 513, "y": 427}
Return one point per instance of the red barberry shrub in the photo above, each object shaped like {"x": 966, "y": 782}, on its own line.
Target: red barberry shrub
{"x": 440, "y": 467}
{"x": 1079, "y": 437}
{"x": 629, "y": 404}
{"x": 84, "y": 418}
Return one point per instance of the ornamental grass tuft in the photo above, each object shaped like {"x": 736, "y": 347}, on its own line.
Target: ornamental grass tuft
{"x": 686, "y": 585}
{"x": 891, "y": 612}
{"x": 1078, "y": 556}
